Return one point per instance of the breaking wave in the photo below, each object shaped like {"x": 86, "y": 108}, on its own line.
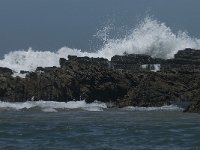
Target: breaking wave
{"x": 150, "y": 36}
{"x": 52, "y": 106}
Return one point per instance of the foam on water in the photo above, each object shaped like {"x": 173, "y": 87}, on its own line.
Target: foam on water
{"x": 163, "y": 108}
{"x": 150, "y": 36}
{"x": 51, "y": 106}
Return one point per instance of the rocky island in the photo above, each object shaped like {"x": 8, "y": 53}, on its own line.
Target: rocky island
{"x": 127, "y": 80}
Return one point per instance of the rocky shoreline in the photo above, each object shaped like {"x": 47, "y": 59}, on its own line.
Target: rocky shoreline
{"x": 128, "y": 80}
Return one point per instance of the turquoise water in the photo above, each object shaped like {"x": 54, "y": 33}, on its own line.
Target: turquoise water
{"x": 109, "y": 129}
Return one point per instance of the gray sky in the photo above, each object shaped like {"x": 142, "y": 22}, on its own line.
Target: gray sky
{"x": 51, "y": 24}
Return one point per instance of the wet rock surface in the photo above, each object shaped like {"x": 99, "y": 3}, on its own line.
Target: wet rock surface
{"x": 93, "y": 79}
{"x": 194, "y": 107}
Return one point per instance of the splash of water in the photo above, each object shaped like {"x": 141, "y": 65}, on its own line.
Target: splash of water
{"x": 29, "y": 60}
{"x": 150, "y": 37}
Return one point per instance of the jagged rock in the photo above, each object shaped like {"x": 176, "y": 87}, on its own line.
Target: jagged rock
{"x": 4, "y": 70}
{"x": 63, "y": 62}
{"x": 45, "y": 69}
{"x": 187, "y": 61}
{"x": 188, "y": 53}
{"x": 73, "y": 57}
{"x": 133, "y": 59}
{"x": 91, "y": 79}
{"x": 194, "y": 107}
{"x": 134, "y": 62}
{"x": 24, "y": 72}
{"x": 85, "y": 60}
{"x": 157, "y": 89}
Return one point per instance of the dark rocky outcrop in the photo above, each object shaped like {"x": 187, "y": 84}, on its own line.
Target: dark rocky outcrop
{"x": 85, "y": 60}
{"x": 188, "y": 53}
{"x": 194, "y": 107}
{"x": 157, "y": 89}
{"x": 93, "y": 79}
{"x": 187, "y": 60}
{"x": 45, "y": 69}
{"x": 132, "y": 59}
{"x": 7, "y": 71}
{"x": 133, "y": 62}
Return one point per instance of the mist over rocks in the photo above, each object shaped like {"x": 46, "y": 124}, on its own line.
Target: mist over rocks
{"x": 128, "y": 80}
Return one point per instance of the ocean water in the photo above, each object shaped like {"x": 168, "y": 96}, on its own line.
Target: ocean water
{"x": 34, "y": 128}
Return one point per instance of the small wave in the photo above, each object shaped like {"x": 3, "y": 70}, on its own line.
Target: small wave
{"x": 52, "y": 106}
{"x": 163, "y": 108}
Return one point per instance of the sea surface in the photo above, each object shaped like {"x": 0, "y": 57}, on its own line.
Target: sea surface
{"x": 39, "y": 128}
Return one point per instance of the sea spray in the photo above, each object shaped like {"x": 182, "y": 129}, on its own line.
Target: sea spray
{"x": 31, "y": 59}
{"x": 150, "y": 37}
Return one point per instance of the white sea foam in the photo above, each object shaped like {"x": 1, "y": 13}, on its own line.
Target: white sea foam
{"x": 29, "y": 60}
{"x": 52, "y": 106}
{"x": 18, "y": 74}
{"x": 163, "y": 108}
{"x": 150, "y": 36}
{"x": 151, "y": 67}
{"x": 156, "y": 67}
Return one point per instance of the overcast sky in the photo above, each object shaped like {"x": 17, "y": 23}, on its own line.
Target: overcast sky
{"x": 51, "y": 24}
